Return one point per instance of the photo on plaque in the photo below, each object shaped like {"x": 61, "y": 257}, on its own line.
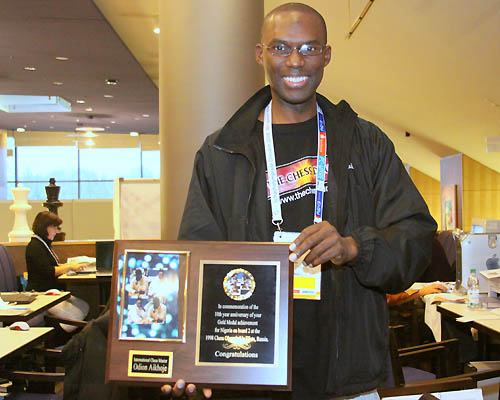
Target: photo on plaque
{"x": 151, "y": 295}
{"x": 238, "y": 313}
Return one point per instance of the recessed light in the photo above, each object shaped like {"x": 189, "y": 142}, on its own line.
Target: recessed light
{"x": 137, "y": 118}
{"x": 34, "y": 121}
{"x": 156, "y": 30}
{"x": 58, "y": 83}
{"x": 145, "y": 115}
{"x": 62, "y": 58}
{"x": 80, "y": 101}
{"x": 21, "y": 130}
{"x": 134, "y": 133}
{"x": 29, "y": 68}
{"x": 25, "y": 126}
{"x": 89, "y": 129}
{"x": 107, "y": 127}
{"x": 89, "y": 109}
{"x": 77, "y": 120}
{"x": 113, "y": 122}
{"x": 51, "y": 116}
{"x": 112, "y": 81}
{"x": 108, "y": 96}
{"x": 51, "y": 127}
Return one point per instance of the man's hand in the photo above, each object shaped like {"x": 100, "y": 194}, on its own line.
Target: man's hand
{"x": 324, "y": 243}
{"x": 180, "y": 389}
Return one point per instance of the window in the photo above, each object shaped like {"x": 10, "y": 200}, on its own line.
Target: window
{"x": 86, "y": 173}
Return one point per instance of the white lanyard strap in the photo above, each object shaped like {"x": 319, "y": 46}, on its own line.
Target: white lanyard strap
{"x": 48, "y": 248}
{"x": 277, "y": 218}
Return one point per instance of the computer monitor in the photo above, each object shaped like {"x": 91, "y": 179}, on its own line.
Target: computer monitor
{"x": 104, "y": 255}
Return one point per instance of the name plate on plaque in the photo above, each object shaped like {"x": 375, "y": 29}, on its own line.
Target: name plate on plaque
{"x": 217, "y": 314}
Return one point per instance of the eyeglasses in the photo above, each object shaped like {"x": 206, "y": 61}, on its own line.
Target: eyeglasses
{"x": 284, "y": 50}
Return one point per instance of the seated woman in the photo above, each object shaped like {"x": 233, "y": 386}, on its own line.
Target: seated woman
{"x": 44, "y": 267}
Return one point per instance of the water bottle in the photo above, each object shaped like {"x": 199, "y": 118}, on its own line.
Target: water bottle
{"x": 473, "y": 290}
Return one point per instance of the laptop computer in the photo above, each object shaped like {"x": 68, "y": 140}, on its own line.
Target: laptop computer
{"x": 104, "y": 257}
{"x": 18, "y": 297}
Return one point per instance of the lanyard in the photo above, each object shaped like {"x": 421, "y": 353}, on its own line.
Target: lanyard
{"x": 48, "y": 248}
{"x": 277, "y": 218}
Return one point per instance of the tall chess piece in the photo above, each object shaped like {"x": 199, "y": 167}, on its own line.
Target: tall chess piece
{"x": 21, "y": 231}
{"x": 53, "y": 204}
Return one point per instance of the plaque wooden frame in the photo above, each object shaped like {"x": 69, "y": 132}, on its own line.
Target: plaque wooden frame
{"x": 181, "y": 358}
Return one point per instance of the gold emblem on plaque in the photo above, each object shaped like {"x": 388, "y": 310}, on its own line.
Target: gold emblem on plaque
{"x": 239, "y": 284}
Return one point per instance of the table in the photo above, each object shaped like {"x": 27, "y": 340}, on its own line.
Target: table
{"x": 487, "y": 328}
{"x": 93, "y": 288}
{"x": 24, "y": 312}
{"x": 14, "y": 342}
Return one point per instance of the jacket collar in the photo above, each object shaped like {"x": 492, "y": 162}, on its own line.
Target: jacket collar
{"x": 237, "y": 132}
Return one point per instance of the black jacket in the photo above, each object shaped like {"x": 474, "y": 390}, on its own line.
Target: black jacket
{"x": 370, "y": 197}
{"x": 41, "y": 266}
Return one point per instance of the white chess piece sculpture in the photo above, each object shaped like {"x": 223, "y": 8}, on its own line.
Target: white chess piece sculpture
{"x": 21, "y": 231}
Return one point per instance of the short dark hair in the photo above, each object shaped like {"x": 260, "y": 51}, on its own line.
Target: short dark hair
{"x": 43, "y": 220}
{"x": 296, "y": 7}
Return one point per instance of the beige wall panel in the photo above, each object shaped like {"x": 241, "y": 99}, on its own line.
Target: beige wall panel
{"x": 481, "y": 192}
{"x": 93, "y": 219}
{"x": 82, "y": 219}
{"x": 430, "y": 190}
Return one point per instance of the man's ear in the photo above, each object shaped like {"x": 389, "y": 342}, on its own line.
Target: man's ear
{"x": 259, "y": 54}
{"x": 327, "y": 55}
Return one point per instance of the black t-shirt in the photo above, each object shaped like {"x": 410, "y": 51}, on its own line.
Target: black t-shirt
{"x": 41, "y": 267}
{"x": 296, "y": 147}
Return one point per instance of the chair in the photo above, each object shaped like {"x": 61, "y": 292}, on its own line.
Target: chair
{"x": 443, "y": 357}
{"x": 8, "y": 281}
{"x": 446, "y": 369}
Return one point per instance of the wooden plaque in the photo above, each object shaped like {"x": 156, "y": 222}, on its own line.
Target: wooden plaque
{"x": 217, "y": 314}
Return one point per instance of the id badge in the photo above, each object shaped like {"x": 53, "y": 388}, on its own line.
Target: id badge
{"x": 306, "y": 280}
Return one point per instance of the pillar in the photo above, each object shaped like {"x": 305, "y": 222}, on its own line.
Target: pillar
{"x": 3, "y": 164}
{"x": 207, "y": 70}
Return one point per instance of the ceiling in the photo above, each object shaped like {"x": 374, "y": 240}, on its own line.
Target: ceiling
{"x": 429, "y": 68}
{"x": 34, "y": 32}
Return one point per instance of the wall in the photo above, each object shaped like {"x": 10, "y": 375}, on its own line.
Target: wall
{"x": 481, "y": 192}
{"x": 82, "y": 219}
{"x": 430, "y": 190}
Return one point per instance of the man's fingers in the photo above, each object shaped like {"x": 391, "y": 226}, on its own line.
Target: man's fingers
{"x": 166, "y": 389}
{"x": 178, "y": 389}
{"x": 207, "y": 393}
{"x": 191, "y": 391}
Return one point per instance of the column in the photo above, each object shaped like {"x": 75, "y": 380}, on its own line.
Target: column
{"x": 207, "y": 70}
{"x": 3, "y": 164}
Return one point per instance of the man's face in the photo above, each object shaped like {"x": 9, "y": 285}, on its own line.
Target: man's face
{"x": 294, "y": 78}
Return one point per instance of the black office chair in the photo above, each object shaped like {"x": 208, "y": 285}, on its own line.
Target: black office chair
{"x": 8, "y": 281}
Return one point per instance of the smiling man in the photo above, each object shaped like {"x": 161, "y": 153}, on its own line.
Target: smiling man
{"x": 291, "y": 166}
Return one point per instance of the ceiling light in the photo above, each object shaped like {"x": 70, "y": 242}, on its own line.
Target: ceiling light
{"x": 34, "y": 121}
{"x": 89, "y": 129}
{"x": 112, "y": 81}
{"x": 89, "y": 142}
{"x": 137, "y": 118}
{"x": 145, "y": 115}
{"x": 62, "y": 58}
{"x": 77, "y": 120}
{"x": 134, "y": 133}
{"x": 21, "y": 130}
{"x": 89, "y": 109}
{"x": 113, "y": 122}
{"x": 108, "y": 96}
{"x": 58, "y": 83}
{"x": 26, "y": 104}
{"x": 107, "y": 127}
{"x": 80, "y": 101}
{"x": 156, "y": 30}
{"x": 90, "y": 134}
{"x": 29, "y": 68}
{"x": 51, "y": 127}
